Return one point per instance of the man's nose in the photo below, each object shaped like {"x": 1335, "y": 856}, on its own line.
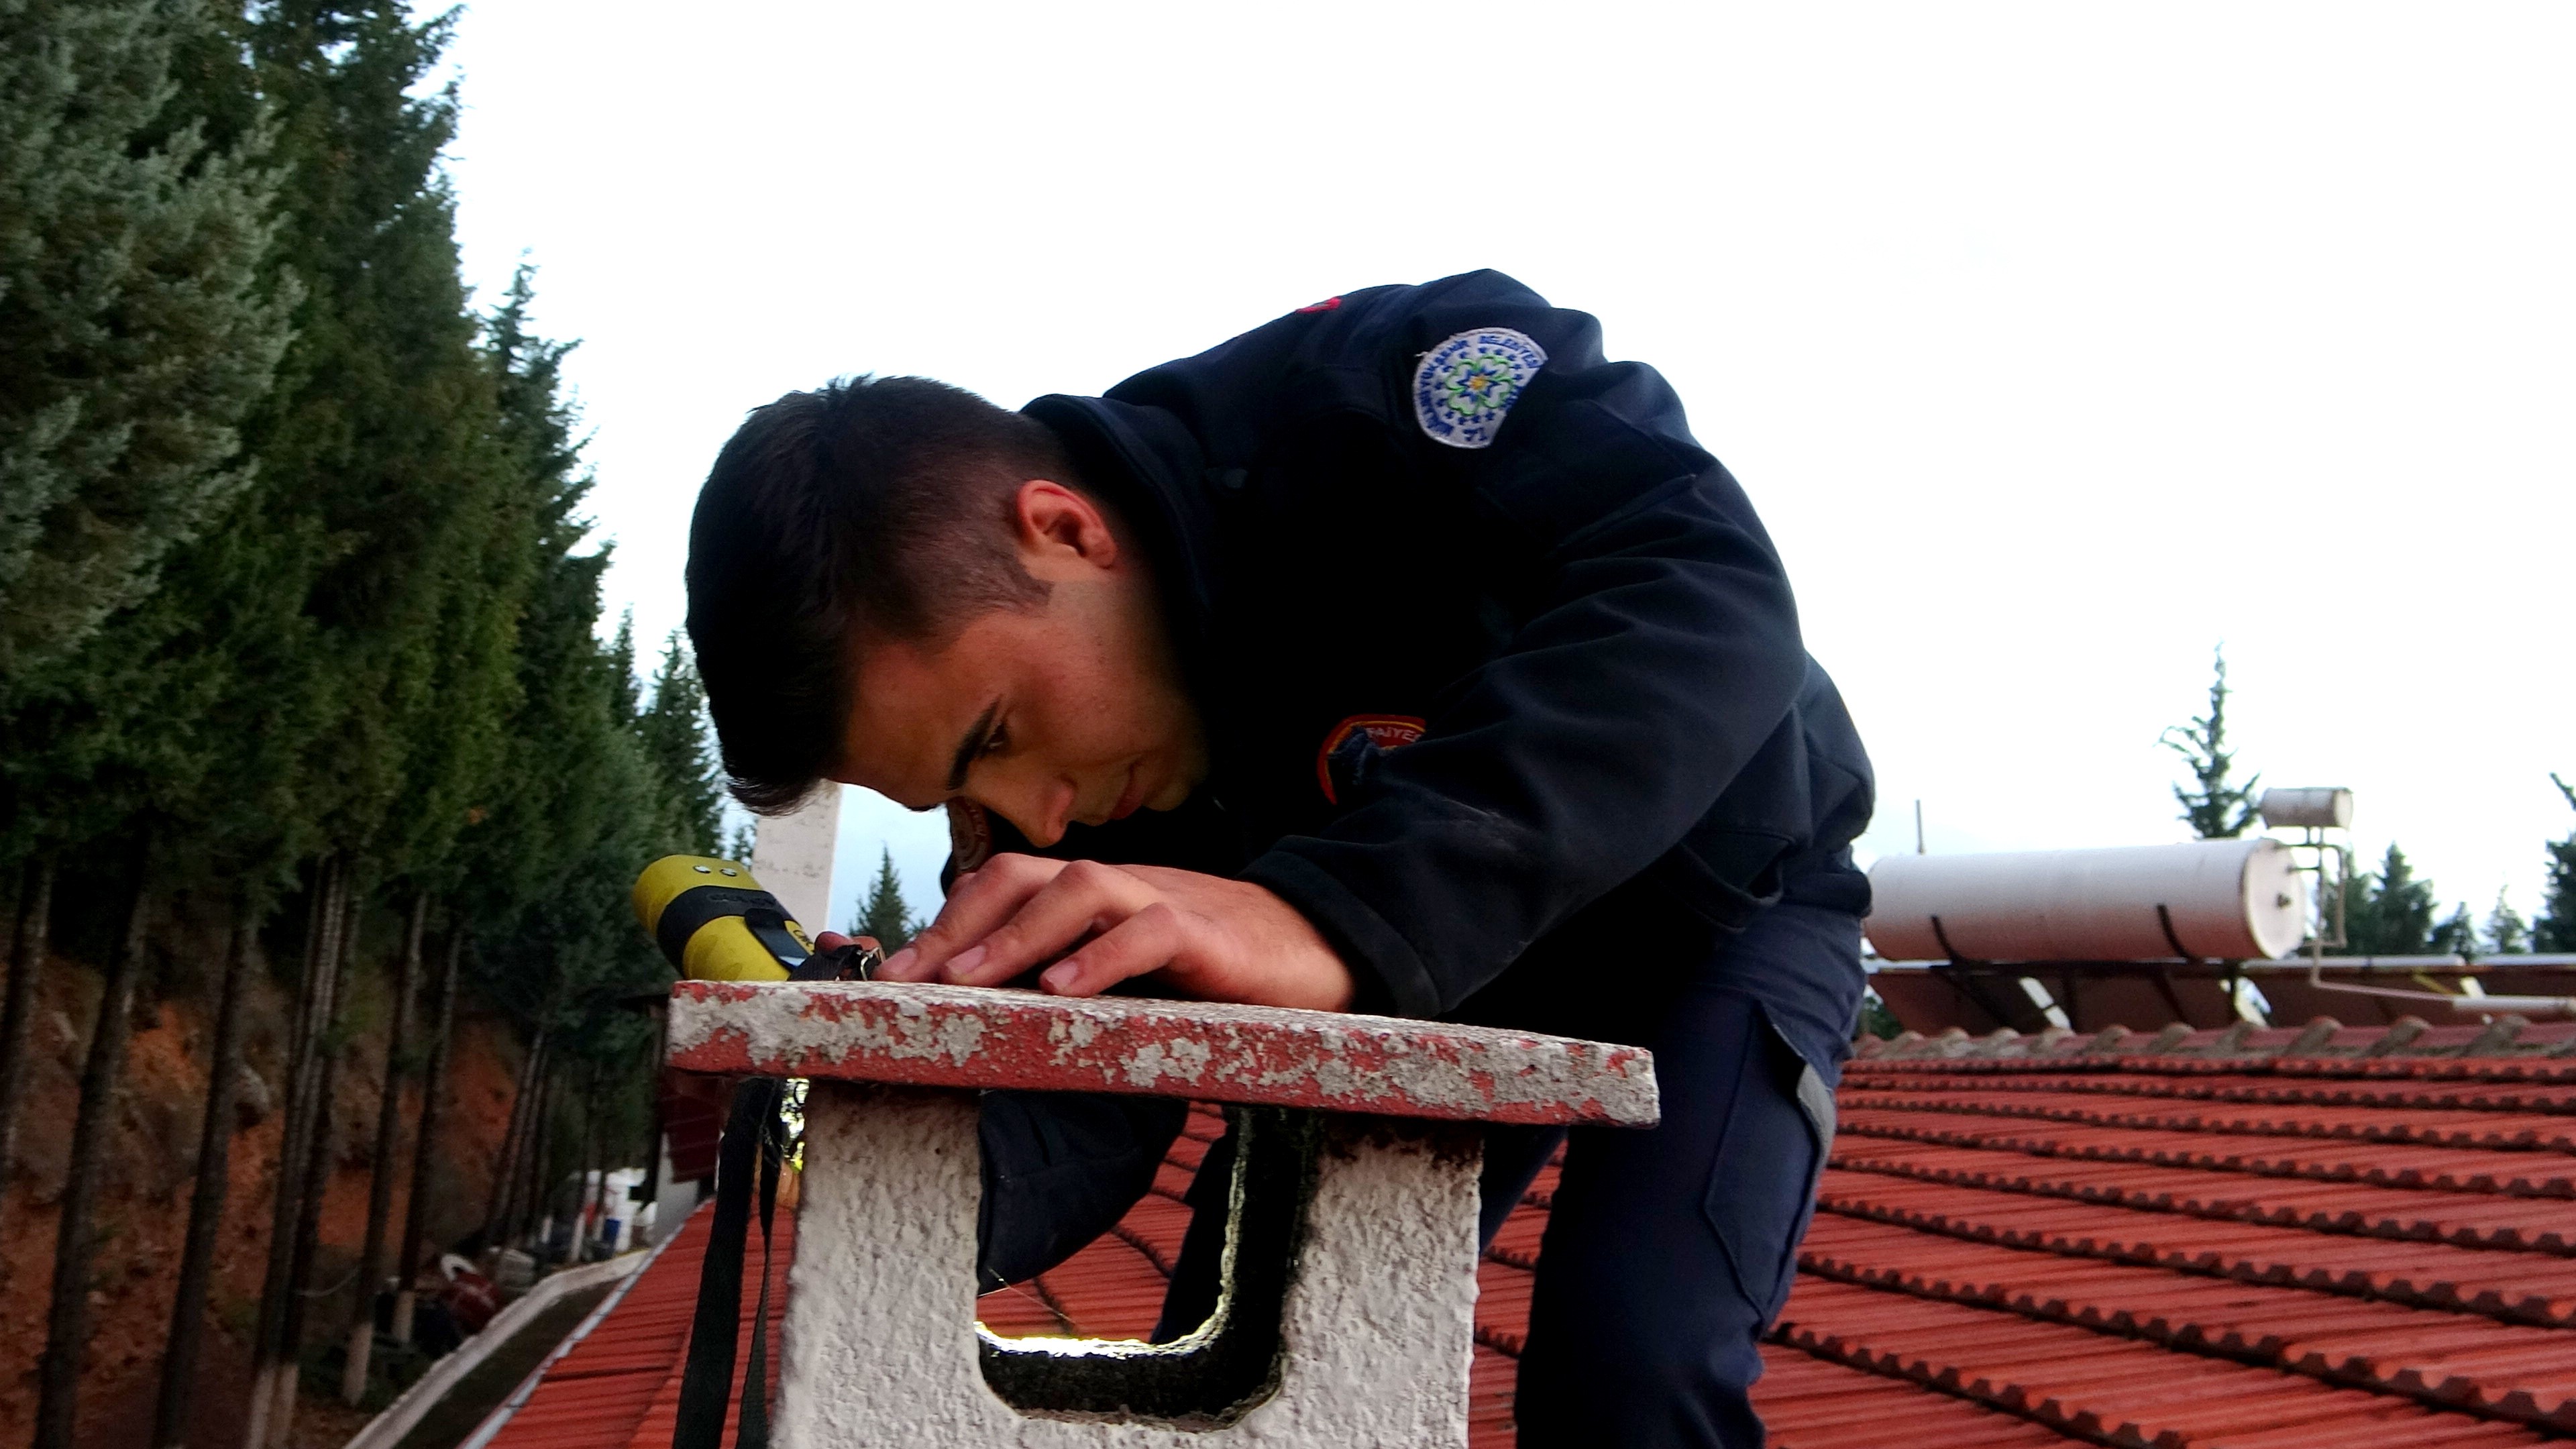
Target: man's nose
{"x": 1040, "y": 811}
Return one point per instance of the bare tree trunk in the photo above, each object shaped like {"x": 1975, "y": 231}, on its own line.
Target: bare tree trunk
{"x": 67, "y": 1319}
{"x": 313, "y": 1008}
{"x": 594, "y": 1183}
{"x": 498, "y": 1202}
{"x": 523, "y": 1172}
{"x": 540, "y": 1145}
{"x": 380, "y": 1172}
{"x": 603, "y": 1153}
{"x": 308, "y": 1239}
{"x": 653, "y": 1128}
{"x": 26, "y": 959}
{"x": 171, "y": 1416}
{"x": 537, "y": 1202}
{"x": 432, "y": 1084}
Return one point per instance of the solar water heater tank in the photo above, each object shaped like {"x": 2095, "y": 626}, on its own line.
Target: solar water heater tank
{"x": 2230, "y": 900}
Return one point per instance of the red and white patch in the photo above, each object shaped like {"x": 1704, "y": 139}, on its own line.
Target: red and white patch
{"x": 1326, "y": 305}
{"x": 1386, "y": 731}
{"x": 970, "y": 835}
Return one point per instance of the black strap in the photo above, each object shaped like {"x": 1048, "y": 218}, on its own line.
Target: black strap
{"x": 697, "y": 906}
{"x": 755, "y": 1375}
{"x": 750, "y": 1146}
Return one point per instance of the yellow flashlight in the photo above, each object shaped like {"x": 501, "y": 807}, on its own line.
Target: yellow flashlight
{"x": 715, "y": 923}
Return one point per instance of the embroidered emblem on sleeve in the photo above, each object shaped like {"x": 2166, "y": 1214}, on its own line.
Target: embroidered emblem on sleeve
{"x": 1384, "y": 731}
{"x": 1464, "y": 387}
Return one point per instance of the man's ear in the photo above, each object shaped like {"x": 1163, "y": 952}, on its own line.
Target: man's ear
{"x": 1063, "y": 536}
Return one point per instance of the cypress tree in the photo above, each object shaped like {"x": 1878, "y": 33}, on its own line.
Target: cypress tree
{"x": 2507, "y": 934}
{"x": 373, "y": 450}
{"x": 674, "y": 731}
{"x": 2391, "y": 913}
{"x": 885, "y": 916}
{"x": 2457, "y": 933}
{"x": 593, "y": 785}
{"x": 2213, "y": 808}
{"x": 2555, "y": 930}
{"x": 139, "y": 319}
{"x": 291, "y": 565}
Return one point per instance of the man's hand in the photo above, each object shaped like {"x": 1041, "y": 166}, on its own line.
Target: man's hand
{"x": 1208, "y": 937}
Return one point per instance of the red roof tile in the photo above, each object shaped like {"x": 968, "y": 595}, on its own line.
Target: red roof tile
{"x": 619, "y": 1386}
{"x": 2037, "y": 1251}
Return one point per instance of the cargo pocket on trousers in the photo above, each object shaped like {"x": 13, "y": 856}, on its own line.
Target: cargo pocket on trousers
{"x": 1762, "y": 1188}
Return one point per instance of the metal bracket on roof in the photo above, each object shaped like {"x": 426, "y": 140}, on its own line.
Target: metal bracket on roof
{"x": 2173, "y": 999}
{"x": 1967, "y": 985}
{"x": 2230, "y": 972}
{"x": 2164, "y": 923}
{"x": 2456, "y": 1000}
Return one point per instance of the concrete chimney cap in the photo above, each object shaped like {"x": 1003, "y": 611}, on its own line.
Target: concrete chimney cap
{"x": 969, "y": 1037}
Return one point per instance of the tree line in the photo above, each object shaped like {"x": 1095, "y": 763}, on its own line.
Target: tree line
{"x": 299, "y": 632}
{"x": 2390, "y": 911}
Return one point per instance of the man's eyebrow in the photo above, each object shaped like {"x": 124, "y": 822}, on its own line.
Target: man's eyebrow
{"x": 971, "y": 746}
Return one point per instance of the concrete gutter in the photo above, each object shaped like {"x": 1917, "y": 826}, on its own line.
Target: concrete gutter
{"x": 387, "y": 1429}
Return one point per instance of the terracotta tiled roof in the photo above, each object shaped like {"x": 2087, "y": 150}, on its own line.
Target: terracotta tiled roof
{"x": 619, "y": 1386}
{"x": 1113, "y": 1288}
{"x": 2029, "y": 1242}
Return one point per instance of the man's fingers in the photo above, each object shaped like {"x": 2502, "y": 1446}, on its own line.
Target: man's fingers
{"x": 1083, "y": 898}
{"x": 977, "y": 902}
{"x": 1145, "y": 942}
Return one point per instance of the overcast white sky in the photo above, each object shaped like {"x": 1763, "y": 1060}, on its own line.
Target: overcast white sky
{"x": 2056, "y": 343}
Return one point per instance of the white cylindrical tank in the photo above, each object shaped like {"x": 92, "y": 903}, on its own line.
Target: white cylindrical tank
{"x": 2232, "y": 900}
{"x": 2318, "y": 807}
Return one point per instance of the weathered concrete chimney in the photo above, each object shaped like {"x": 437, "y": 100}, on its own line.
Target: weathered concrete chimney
{"x": 1347, "y": 1315}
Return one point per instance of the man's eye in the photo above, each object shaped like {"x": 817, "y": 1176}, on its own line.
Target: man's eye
{"x": 994, "y": 742}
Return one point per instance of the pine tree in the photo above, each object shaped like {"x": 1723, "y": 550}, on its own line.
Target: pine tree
{"x": 2555, "y": 930}
{"x": 139, "y": 315}
{"x": 2214, "y": 809}
{"x": 2507, "y": 934}
{"x": 2457, "y": 934}
{"x": 2391, "y": 912}
{"x": 885, "y": 916}
{"x": 107, "y": 709}
{"x": 674, "y": 731}
{"x": 379, "y": 473}
{"x": 592, "y": 789}
{"x": 334, "y": 630}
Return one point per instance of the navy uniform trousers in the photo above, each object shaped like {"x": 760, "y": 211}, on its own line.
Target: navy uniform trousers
{"x": 1667, "y": 1252}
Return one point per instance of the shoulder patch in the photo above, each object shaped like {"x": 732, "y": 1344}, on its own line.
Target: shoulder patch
{"x": 1463, "y": 388}
{"x": 1361, "y": 731}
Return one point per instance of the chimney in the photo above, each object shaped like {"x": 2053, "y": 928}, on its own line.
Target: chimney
{"x": 1348, "y": 1316}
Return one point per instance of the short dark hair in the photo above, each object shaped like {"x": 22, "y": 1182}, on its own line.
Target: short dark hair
{"x": 872, "y": 507}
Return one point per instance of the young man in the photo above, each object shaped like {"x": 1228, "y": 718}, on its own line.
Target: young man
{"x": 1402, "y": 655}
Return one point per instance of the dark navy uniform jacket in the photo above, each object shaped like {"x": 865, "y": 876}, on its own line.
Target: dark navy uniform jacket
{"x": 1524, "y": 728}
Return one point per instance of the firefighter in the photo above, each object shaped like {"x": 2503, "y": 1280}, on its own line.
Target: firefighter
{"x": 1402, "y": 655}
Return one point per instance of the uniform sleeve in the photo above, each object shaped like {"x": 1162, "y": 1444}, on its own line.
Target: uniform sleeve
{"x": 1657, "y": 651}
